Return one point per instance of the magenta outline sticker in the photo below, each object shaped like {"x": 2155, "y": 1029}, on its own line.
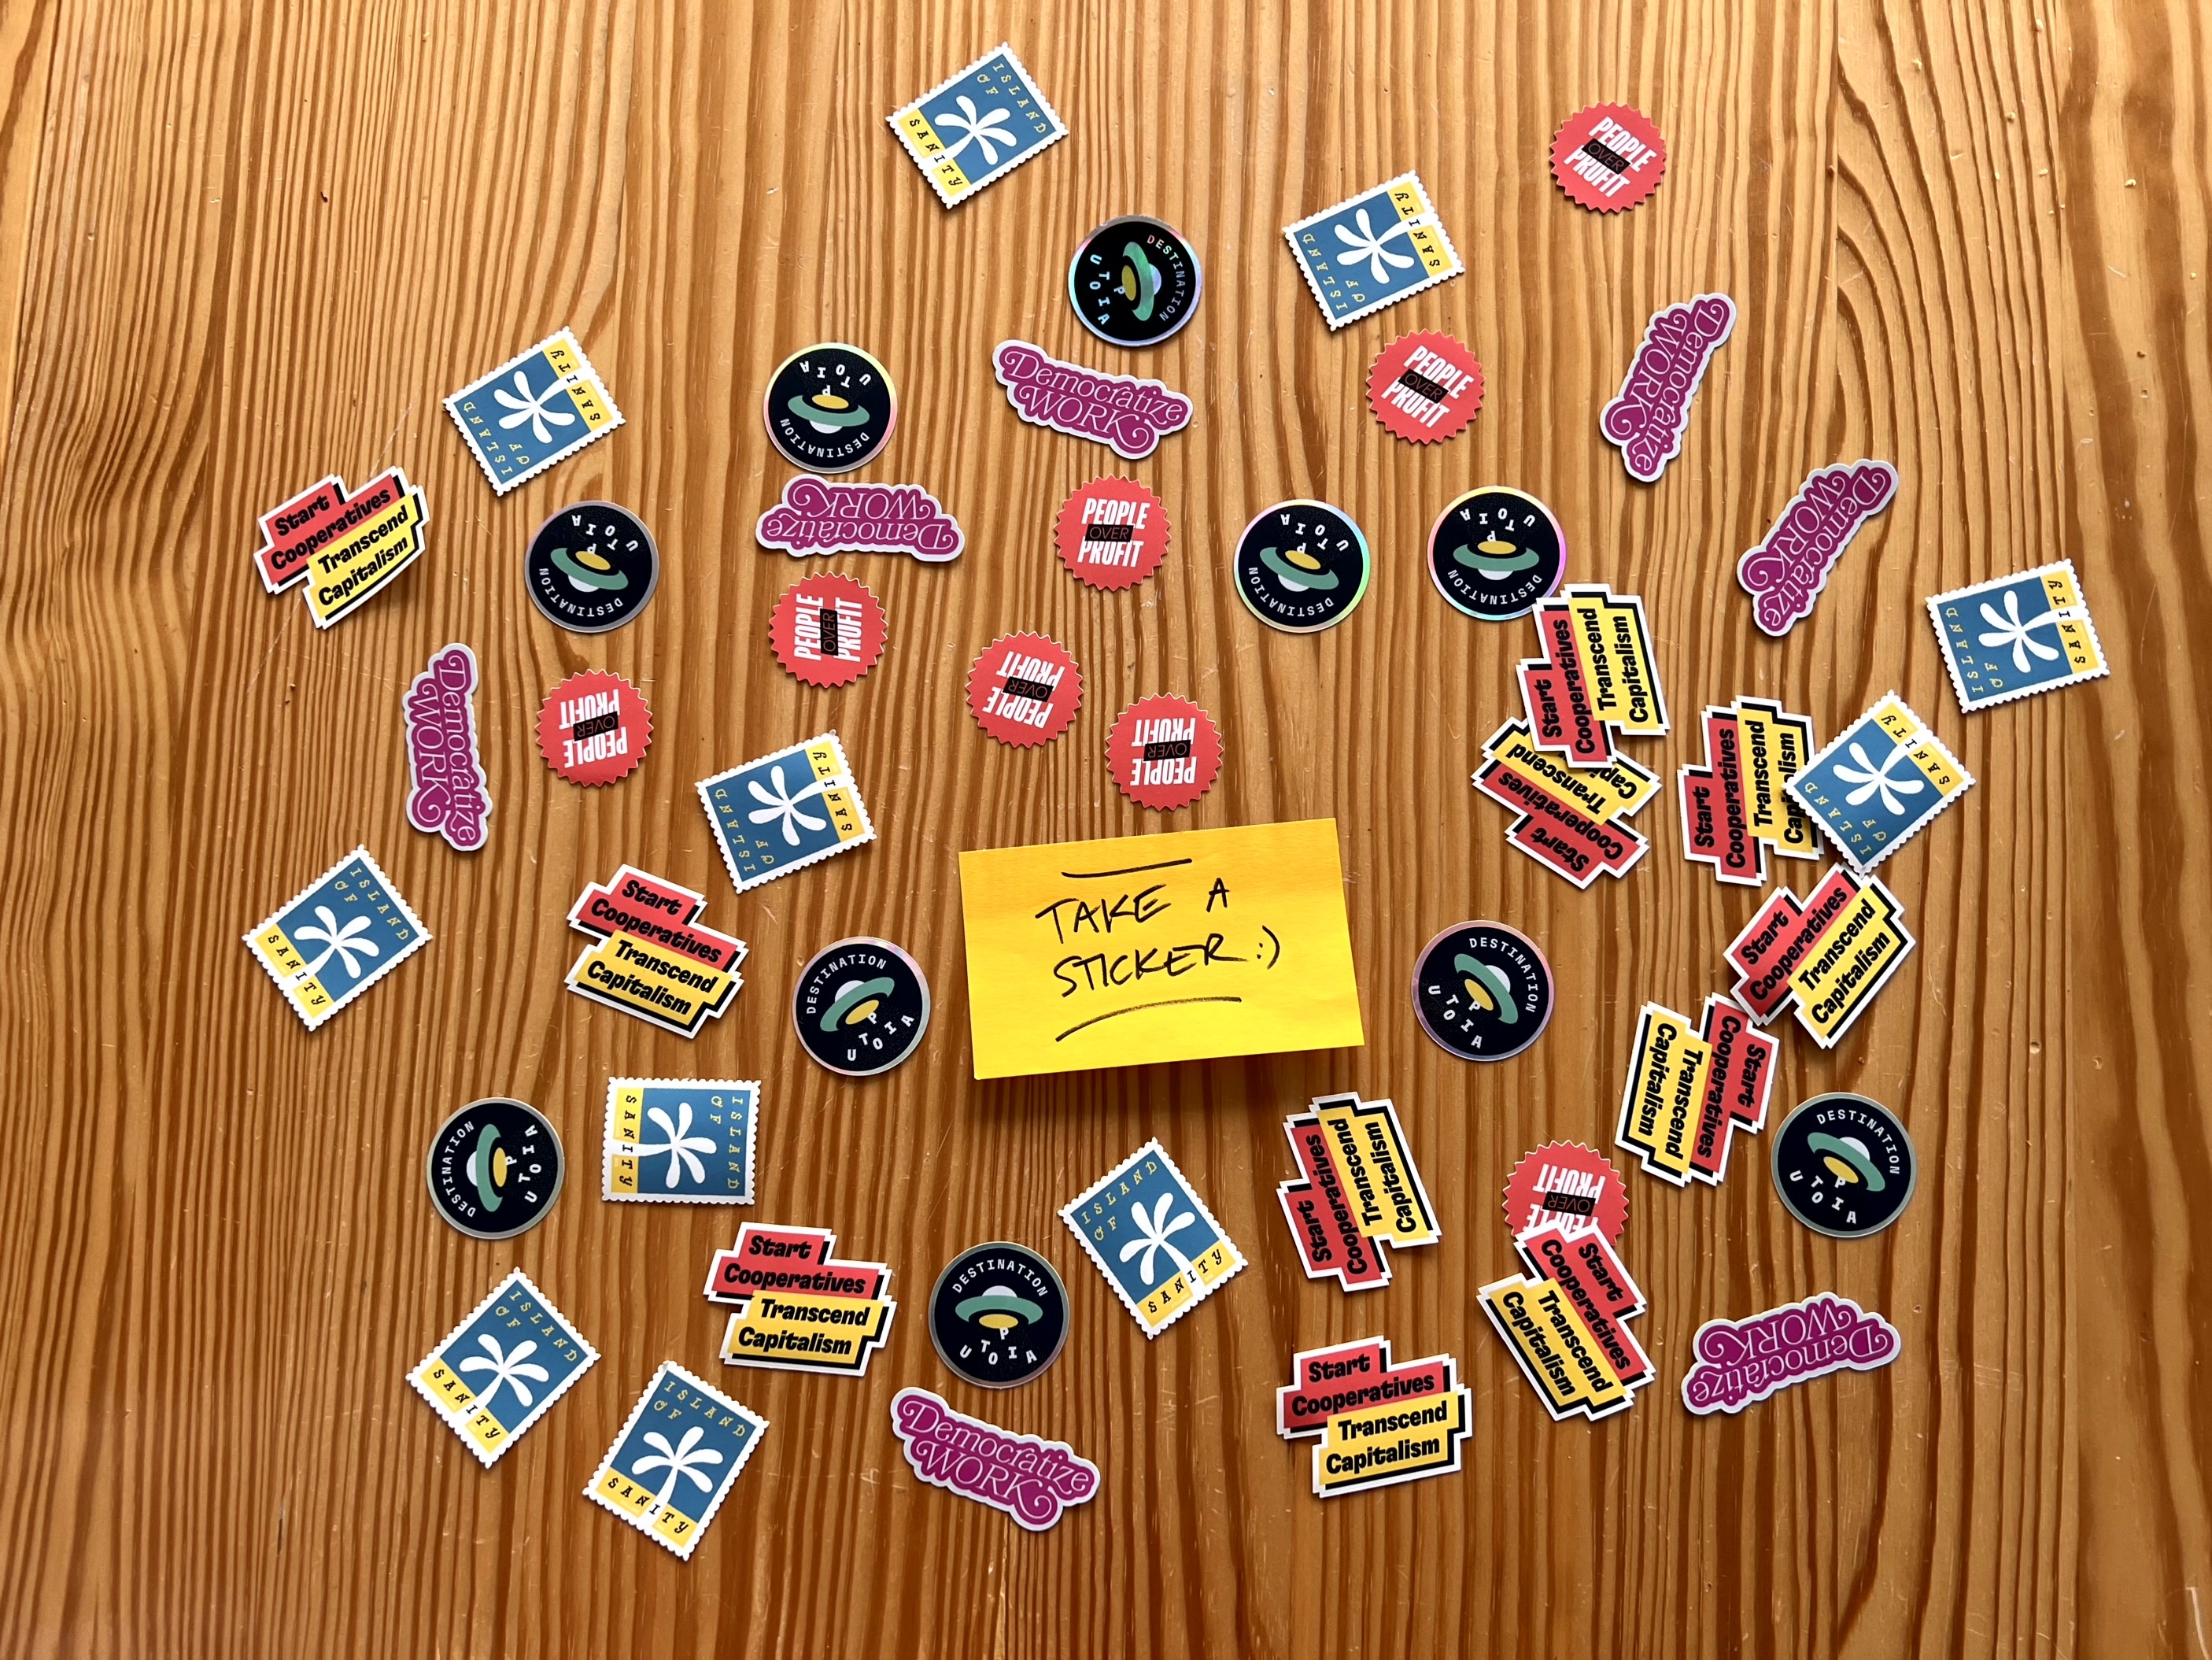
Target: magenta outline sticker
{"x": 447, "y": 793}
{"x": 1650, "y": 414}
{"x": 1127, "y": 414}
{"x": 1032, "y": 1479}
{"x": 1743, "y": 1361}
{"x": 1785, "y": 572}
{"x": 818, "y": 517}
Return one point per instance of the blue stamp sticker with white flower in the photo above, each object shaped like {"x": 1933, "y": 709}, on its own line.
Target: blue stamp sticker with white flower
{"x": 532, "y": 411}
{"x": 1153, "y": 1238}
{"x": 1373, "y": 250}
{"x": 501, "y": 1369}
{"x": 786, "y": 810}
{"x": 1882, "y": 778}
{"x": 978, "y": 126}
{"x": 681, "y": 1140}
{"x": 338, "y": 937}
{"x": 674, "y": 1461}
{"x": 2017, "y": 636}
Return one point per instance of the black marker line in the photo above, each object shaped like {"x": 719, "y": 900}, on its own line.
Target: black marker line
{"x": 1133, "y": 870}
{"x": 1136, "y": 1008}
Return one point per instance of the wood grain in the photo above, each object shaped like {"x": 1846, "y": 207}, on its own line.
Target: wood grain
{"x": 242, "y": 247}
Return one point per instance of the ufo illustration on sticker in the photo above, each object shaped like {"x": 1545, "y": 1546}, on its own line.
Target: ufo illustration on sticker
{"x": 1495, "y": 560}
{"x": 1298, "y": 570}
{"x": 1134, "y": 281}
{"x": 825, "y": 412}
{"x": 1482, "y": 991}
{"x": 829, "y": 407}
{"x": 494, "y": 1168}
{"x": 589, "y": 571}
{"x": 1301, "y": 566}
{"x": 1487, "y": 988}
{"x": 592, "y": 566}
{"x": 861, "y": 1006}
{"x": 1844, "y": 1165}
{"x": 857, "y": 1000}
{"x": 1494, "y": 552}
{"x": 998, "y": 1315}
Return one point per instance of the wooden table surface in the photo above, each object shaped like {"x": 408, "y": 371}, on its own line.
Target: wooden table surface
{"x": 245, "y": 245}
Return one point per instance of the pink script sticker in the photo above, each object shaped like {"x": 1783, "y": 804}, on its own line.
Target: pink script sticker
{"x": 1130, "y": 415}
{"x": 1741, "y": 1361}
{"x": 1651, "y": 414}
{"x": 1784, "y": 574}
{"x": 448, "y": 794}
{"x": 1030, "y": 1479}
{"x": 816, "y": 516}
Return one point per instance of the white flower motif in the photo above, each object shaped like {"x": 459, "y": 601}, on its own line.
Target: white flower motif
{"x": 343, "y": 942}
{"x": 1874, "y": 780}
{"x": 531, "y": 407}
{"x": 677, "y": 1460}
{"x": 784, "y": 805}
{"x": 985, "y": 132}
{"x": 2009, "y": 630}
{"x": 1154, "y": 1230}
{"x": 508, "y": 1369}
{"x": 1368, "y": 247}
{"x": 681, "y": 1147}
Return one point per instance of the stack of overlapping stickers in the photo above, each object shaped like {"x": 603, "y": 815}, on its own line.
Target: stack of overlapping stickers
{"x": 651, "y": 956}
{"x": 1596, "y": 679}
{"x": 1357, "y": 1196}
{"x": 1691, "y": 1088}
{"x": 798, "y": 1308}
{"x": 1829, "y": 953}
{"x": 1572, "y": 818}
{"x": 1378, "y": 1423}
{"x": 1737, "y": 805}
{"x": 1563, "y": 1320}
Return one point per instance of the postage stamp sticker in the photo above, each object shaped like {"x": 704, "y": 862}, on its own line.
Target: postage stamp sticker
{"x": 356, "y": 924}
{"x": 2016, "y": 635}
{"x": 1372, "y": 250}
{"x": 680, "y": 1140}
{"x": 992, "y": 112}
{"x": 535, "y": 410}
{"x": 1878, "y": 783}
{"x": 676, "y": 1458}
{"x": 1147, "y": 1231}
{"x": 502, "y": 1367}
{"x": 786, "y": 810}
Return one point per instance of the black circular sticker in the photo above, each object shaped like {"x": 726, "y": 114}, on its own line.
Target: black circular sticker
{"x": 1844, "y": 1165}
{"x": 494, "y": 1168}
{"x": 830, "y": 408}
{"x": 1301, "y": 566}
{"x": 998, "y": 1315}
{"x": 1495, "y": 552}
{"x": 591, "y": 567}
{"x": 1134, "y": 281}
{"x": 861, "y": 1006}
{"x": 1482, "y": 990}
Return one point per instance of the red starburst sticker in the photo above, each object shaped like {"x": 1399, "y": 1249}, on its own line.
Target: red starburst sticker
{"x": 594, "y": 727}
{"x": 827, "y": 630}
{"x": 1609, "y": 157}
{"x": 1165, "y": 752}
{"x": 1112, "y": 533}
{"x": 1024, "y": 689}
{"x": 1424, "y": 387}
{"x": 1566, "y": 1183}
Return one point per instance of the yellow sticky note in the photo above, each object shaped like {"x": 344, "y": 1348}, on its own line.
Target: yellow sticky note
{"x": 1181, "y": 946}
